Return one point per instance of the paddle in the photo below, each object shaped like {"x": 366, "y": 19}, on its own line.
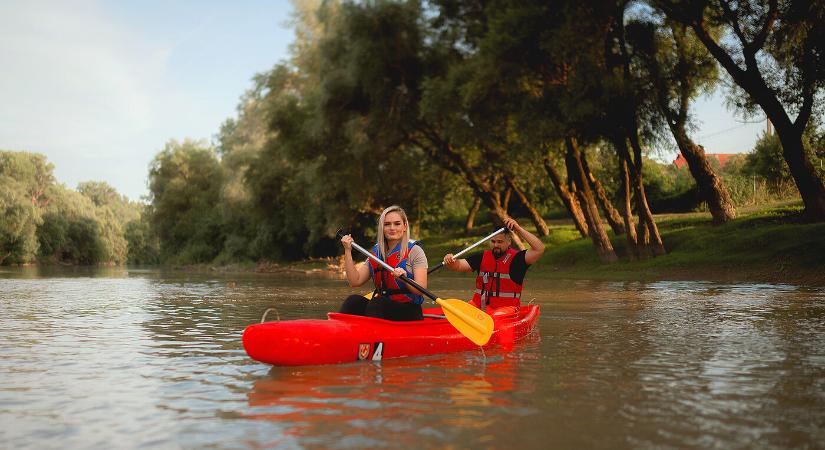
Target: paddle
{"x": 470, "y": 321}
{"x": 441, "y": 264}
{"x": 437, "y": 267}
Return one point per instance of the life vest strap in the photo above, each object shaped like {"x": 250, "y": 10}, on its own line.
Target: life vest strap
{"x": 500, "y": 294}
{"x": 504, "y": 276}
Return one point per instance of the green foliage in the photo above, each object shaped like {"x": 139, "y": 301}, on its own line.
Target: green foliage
{"x": 143, "y": 244}
{"x": 77, "y": 231}
{"x": 185, "y": 182}
{"x": 19, "y": 219}
{"x": 766, "y": 161}
{"x": 46, "y": 221}
{"x": 77, "y": 240}
{"x": 84, "y": 238}
{"x": 24, "y": 178}
{"x": 30, "y": 170}
{"x": 402, "y": 103}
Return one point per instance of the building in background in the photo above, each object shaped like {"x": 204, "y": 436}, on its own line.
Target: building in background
{"x": 722, "y": 158}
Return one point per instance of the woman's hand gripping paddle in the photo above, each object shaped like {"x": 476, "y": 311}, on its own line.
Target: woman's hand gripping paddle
{"x": 470, "y": 321}
{"x": 438, "y": 266}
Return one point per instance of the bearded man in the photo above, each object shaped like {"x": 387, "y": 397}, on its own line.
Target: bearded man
{"x": 500, "y": 270}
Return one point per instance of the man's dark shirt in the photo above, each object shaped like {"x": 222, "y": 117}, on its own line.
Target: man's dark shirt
{"x": 518, "y": 268}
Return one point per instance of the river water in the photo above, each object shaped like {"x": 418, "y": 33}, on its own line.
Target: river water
{"x": 121, "y": 358}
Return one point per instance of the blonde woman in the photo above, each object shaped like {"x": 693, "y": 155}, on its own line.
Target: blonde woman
{"x": 392, "y": 298}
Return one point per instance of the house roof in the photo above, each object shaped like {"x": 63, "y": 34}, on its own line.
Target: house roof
{"x": 723, "y": 158}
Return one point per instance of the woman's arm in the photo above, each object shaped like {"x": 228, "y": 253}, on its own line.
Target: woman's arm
{"x": 357, "y": 275}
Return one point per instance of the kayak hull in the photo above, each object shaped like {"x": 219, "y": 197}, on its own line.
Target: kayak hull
{"x": 346, "y": 338}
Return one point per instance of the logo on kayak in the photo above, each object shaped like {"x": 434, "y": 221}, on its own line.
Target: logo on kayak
{"x": 363, "y": 351}
{"x": 371, "y": 351}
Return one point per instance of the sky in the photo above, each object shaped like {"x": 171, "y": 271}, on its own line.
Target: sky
{"x": 99, "y": 87}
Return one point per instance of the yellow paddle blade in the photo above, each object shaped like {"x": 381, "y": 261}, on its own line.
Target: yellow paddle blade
{"x": 467, "y": 319}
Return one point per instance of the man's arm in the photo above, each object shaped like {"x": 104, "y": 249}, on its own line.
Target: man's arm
{"x": 456, "y": 265}
{"x": 536, "y": 246}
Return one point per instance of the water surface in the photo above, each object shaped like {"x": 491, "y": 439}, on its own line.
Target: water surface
{"x": 143, "y": 359}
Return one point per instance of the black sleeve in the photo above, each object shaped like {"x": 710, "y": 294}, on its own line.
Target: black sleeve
{"x": 474, "y": 261}
{"x": 518, "y": 269}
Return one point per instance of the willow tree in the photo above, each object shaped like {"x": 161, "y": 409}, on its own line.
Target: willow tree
{"x": 340, "y": 118}
{"x": 772, "y": 50}
{"x": 378, "y": 64}
{"x": 185, "y": 180}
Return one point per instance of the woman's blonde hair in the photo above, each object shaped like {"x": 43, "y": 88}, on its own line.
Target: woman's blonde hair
{"x": 405, "y": 239}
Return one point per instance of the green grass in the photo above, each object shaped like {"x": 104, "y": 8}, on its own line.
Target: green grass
{"x": 772, "y": 244}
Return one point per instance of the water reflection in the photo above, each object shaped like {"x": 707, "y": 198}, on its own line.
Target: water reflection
{"x": 88, "y": 360}
{"x": 395, "y": 403}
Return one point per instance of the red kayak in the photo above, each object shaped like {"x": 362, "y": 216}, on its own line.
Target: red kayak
{"x": 345, "y": 338}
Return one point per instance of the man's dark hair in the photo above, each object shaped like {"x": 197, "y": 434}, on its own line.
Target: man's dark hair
{"x": 506, "y": 232}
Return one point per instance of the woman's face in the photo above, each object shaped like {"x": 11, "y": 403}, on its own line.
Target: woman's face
{"x": 394, "y": 227}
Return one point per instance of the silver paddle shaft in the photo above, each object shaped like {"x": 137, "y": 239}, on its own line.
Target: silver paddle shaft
{"x": 500, "y": 230}
{"x": 403, "y": 278}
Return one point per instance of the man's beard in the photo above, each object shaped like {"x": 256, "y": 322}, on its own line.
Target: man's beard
{"x": 497, "y": 252}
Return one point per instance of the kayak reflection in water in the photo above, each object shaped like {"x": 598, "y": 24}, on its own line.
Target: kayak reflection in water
{"x": 392, "y": 298}
{"x": 500, "y": 270}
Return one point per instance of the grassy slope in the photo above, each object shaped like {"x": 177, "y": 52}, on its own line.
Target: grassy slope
{"x": 772, "y": 245}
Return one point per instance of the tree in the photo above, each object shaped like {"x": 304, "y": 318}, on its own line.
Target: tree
{"x": 76, "y": 231}
{"x": 240, "y": 143}
{"x": 19, "y": 219}
{"x": 184, "y": 188}
{"x": 377, "y": 67}
{"x": 773, "y": 52}
{"x": 677, "y": 68}
{"x": 143, "y": 244}
{"x": 32, "y": 171}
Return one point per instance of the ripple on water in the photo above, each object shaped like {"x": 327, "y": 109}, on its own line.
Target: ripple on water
{"x": 148, "y": 360}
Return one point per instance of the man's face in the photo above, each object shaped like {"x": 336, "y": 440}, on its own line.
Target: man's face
{"x": 499, "y": 244}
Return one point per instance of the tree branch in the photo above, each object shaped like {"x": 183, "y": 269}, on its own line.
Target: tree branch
{"x": 762, "y": 36}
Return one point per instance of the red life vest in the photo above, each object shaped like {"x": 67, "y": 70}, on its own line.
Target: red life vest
{"x": 386, "y": 285}
{"x": 494, "y": 288}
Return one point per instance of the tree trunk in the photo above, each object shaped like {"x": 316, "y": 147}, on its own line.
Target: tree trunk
{"x": 541, "y": 226}
{"x": 652, "y": 236}
{"x": 811, "y": 187}
{"x": 471, "y": 216}
{"x": 711, "y": 186}
{"x": 443, "y": 154}
{"x": 604, "y": 248}
{"x": 613, "y": 217}
{"x": 493, "y": 201}
{"x": 627, "y": 209}
{"x": 649, "y": 242}
{"x": 505, "y": 201}
{"x": 568, "y": 199}
{"x": 416, "y": 229}
{"x": 648, "y": 232}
